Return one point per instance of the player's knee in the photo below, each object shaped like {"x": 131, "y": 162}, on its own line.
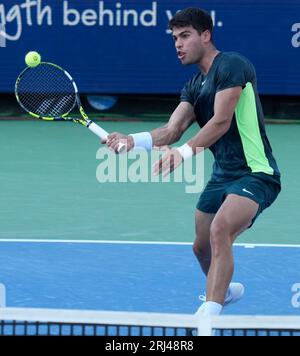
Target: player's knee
{"x": 200, "y": 251}
{"x": 219, "y": 236}
{"x": 219, "y": 228}
{"x": 195, "y": 248}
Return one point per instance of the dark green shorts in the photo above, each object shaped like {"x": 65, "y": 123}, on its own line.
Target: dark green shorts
{"x": 251, "y": 186}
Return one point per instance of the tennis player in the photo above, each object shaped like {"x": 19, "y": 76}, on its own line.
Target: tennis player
{"x": 222, "y": 98}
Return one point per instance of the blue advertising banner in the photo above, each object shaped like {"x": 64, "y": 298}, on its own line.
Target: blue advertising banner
{"x": 125, "y": 46}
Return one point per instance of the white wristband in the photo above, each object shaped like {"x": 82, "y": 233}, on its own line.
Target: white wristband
{"x": 186, "y": 151}
{"x": 143, "y": 140}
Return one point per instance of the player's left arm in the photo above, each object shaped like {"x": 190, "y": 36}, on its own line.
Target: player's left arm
{"x": 224, "y": 107}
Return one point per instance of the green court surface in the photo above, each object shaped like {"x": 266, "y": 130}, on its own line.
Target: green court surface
{"x": 49, "y": 189}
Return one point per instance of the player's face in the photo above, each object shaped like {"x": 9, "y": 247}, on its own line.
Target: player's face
{"x": 190, "y": 45}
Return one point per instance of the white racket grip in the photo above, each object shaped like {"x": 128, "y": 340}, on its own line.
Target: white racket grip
{"x": 121, "y": 148}
{"x": 97, "y": 130}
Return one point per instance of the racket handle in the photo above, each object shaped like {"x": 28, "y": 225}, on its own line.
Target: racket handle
{"x": 97, "y": 130}
{"x": 121, "y": 148}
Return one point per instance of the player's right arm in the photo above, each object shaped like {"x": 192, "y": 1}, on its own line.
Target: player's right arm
{"x": 179, "y": 122}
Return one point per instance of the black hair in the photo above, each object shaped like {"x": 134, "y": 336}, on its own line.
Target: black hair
{"x": 199, "y": 19}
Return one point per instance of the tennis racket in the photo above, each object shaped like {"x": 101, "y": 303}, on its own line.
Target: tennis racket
{"x": 48, "y": 92}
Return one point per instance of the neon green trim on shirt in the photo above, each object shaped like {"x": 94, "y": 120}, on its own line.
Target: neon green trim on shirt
{"x": 248, "y": 126}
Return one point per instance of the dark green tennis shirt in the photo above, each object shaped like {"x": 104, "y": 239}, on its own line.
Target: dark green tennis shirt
{"x": 245, "y": 148}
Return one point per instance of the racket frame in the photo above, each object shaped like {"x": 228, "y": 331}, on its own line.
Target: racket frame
{"x": 84, "y": 120}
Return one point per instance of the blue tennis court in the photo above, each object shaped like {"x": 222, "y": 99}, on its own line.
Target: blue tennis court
{"x": 56, "y": 218}
{"x": 85, "y": 231}
{"x": 148, "y": 277}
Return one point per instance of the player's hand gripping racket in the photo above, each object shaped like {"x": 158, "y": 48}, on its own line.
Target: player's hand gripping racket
{"x": 49, "y": 93}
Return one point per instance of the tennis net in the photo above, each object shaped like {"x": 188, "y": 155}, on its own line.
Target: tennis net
{"x": 51, "y": 322}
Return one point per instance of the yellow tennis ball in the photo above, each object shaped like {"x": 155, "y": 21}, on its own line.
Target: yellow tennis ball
{"x": 33, "y": 59}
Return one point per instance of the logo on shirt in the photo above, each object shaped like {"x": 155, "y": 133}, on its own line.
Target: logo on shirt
{"x": 247, "y": 191}
{"x": 203, "y": 83}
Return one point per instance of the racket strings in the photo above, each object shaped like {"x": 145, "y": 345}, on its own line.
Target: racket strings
{"x": 46, "y": 91}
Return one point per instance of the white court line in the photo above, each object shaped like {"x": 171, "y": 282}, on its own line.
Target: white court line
{"x": 116, "y": 242}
